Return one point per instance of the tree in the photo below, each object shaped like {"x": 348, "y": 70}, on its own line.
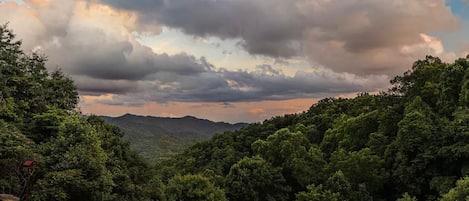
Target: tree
{"x": 351, "y": 133}
{"x": 301, "y": 163}
{"x": 360, "y": 167}
{"x": 61, "y": 91}
{"x": 450, "y": 86}
{"x": 15, "y": 149}
{"x": 25, "y": 79}
{"x": 422, "y": 80}
{"x": 407, "y": 197}
{"x": 74, "y": 164}
{"x": 133, "y": 178}
{"x": 458, "y": 193}
{"x": 317, "y": 193}
{"x": 46, "y": 125}
{"x": 255, "y": 179}
{"x": 415, "y": 148}
{"x": 311, "y": 133}
{"x": 464, "y": 94}
{"x": 193, "y": 188}
{"x": 339, "y": 184}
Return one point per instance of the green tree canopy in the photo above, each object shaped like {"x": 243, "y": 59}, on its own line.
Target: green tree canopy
{"x": 25, "y": 79}
{"x": 193, "y": 188}
{"x": 460, "y": 192}
{"x": 15, "y": 149}
{"x": 255, "y": 179}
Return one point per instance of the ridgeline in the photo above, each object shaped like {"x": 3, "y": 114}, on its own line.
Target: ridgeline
{"x": 157, "y": 138}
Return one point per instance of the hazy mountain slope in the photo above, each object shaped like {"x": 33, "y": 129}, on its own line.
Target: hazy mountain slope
{"x": 159, "y": 137}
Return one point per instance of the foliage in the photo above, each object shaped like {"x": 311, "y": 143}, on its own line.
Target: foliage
{"x": 407, "y": 197}
{"x": 193, "y": 188}
{"x": 460, "y": 192}
{"x": 317, "y": 193}
{"x": 411, "y": 140}
{"x": 78, "y": 157}
{"x": 27, "y": 82}
{"x": 15, "y": 148}
{"x": 75, "y": 163}
{"x": 255, "y": 179}
{"x": 157, "y": 138}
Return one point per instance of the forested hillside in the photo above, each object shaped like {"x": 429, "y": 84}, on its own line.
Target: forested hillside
{"x": 157, "y": 138}
{"x": 50, "y": 148}
{"x": 409, "y": 143}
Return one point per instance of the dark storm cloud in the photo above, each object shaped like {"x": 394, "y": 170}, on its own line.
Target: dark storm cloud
{"x": 139, "y": 5}
{"x": 238, "y": 86}
{"x": 91, "y": 86}
{"x": 93, "y": 53}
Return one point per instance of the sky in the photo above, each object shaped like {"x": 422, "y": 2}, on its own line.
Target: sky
{"x": 233, "y": 60}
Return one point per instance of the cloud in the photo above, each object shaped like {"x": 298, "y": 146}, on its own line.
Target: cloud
{"x": 23, "y": 20}
{"x": 219, "y": 85}
{"x": 139, "y": 5}
{"x": 97, "y": 46}
{"x": 268, "y": 28}
{"x": 91, "y": 86}
{"x": 330, "y": 32}
{"x": 390, "y": 61}
{"x": 54, "y": 22}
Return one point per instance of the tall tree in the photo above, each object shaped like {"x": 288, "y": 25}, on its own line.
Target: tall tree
{"x": 301, "y": 163}
{"x": 415, "y": 148}
{"x": 74, "y": 164}
{"x": 460, "y": 192}
{"x": 193, "y": 188}
{"x": 255, "y": 179}
{"x": 15, "y": 149}
{"x": 25, "y": 79}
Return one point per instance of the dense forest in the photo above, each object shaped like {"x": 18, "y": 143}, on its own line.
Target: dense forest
{"x": 408, "y": 143}
{"x": 158, "y": 138}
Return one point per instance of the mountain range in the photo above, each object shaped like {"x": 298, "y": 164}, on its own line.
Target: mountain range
{"x": 157, "y": 138}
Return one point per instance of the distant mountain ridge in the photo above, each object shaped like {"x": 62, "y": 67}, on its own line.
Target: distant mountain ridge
{"x": 161, "y": 137}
